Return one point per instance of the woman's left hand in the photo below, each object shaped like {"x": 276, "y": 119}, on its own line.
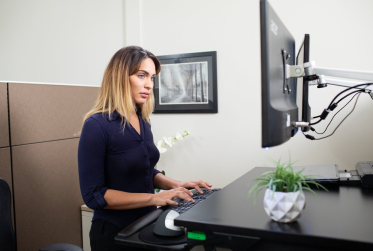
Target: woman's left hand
{"x": 196, "y": 185}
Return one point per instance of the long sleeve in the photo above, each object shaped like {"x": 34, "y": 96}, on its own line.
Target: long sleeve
{"x": 91, "y": 162}
{"x": 155, "y": 172}
{"x": 115, "y": 158}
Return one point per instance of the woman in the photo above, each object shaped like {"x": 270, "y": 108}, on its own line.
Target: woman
{"x": 117, "y": 155}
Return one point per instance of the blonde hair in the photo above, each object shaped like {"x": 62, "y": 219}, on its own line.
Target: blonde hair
{"x": 115, "y": 91}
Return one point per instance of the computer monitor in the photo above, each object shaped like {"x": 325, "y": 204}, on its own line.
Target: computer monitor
{"x": 280, "y": 71}
{"x": 304, "y": 57}
{"x": 279, "y": 94}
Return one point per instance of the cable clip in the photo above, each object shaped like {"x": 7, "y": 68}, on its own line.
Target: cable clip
{"x": 324, "y": 114}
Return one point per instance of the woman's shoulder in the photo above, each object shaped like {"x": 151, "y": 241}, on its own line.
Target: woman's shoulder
{"x": 103, "y": 120}
{"x": 104, "y": 117}
{"x": 96, "y": 117}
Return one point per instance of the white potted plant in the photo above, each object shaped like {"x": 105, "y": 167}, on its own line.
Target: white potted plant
{"x": 284, "y": 199}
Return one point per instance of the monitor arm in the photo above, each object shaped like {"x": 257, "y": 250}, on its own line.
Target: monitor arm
{"x": 323, "y": 76}
{"x": 339, "y": 77}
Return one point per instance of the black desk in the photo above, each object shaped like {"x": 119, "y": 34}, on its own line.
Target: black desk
{"x": 339, "y": 219}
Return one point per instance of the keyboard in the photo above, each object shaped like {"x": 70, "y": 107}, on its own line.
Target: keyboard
{"x": 153, "y": 215}
{"x": 197, "y": 197}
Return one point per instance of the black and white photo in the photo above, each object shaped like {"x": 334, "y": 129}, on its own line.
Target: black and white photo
{"x": 187, "y": 83}
{"x": 183, "y": 83}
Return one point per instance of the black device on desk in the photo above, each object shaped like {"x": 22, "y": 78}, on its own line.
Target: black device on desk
{"x": 329, "y": 174}
{"x": 362, "y": 176}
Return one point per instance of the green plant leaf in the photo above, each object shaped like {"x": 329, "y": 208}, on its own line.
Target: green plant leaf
{"x": 284, "y": 179}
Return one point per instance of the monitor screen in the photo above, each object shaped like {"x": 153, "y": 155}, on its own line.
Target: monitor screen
{"x": 279, "y": 95}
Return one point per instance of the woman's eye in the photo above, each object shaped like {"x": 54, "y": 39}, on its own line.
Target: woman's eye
{"x": 152, "y": 79}
{"x": 141, "y": 76}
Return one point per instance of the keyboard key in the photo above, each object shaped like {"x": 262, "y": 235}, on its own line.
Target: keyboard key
{"x": 185, "y": 205}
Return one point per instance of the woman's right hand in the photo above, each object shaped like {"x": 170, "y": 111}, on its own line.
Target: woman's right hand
{"x": 166, "y": 197}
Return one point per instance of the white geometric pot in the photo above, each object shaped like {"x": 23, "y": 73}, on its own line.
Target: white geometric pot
{"x": 284, "y": 207}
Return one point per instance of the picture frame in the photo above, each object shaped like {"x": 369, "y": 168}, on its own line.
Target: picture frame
{"x": 187, "y": 83}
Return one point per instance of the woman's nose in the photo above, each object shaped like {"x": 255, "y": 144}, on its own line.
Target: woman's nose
{"x": 149, "y": 83}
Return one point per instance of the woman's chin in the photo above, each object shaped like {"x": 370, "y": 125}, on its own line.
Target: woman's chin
{"x": 140, "y": 101}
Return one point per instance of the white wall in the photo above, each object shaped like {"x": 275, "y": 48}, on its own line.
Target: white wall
{"x": 72, "y": 41}
{"x": 225, "y": 145}
{"x": 59, "y": 41}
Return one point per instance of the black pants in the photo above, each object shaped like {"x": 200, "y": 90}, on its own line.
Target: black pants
{"x": 102, "y": 237}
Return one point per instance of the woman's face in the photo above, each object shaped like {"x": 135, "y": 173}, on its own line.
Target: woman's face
{"x": 142, "y": 81}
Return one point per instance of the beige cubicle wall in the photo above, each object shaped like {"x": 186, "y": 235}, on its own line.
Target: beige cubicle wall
{"x": 47, "y": 112}
{"x": 5, "y": 168}
{"x": 46, "y": 187}
{"x": 44, "y": 122}
{"x": 4, "y": 133}
{"x": 5, "y": 165}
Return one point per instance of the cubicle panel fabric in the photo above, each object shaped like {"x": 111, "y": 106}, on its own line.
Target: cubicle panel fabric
{"x": 47, "y": 195}
{"x": 4, "y": 130}
{"x": 40, "y": 112}
{"x": 5, "y": 167}
{"x": 6, "y": 170}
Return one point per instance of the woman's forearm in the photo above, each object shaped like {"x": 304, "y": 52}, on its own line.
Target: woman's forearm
{"x": 119, "y": 200}
{"x": 163, "y": 182}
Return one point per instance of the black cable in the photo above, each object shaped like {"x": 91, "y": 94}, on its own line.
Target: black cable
{"x": 299, "y": 52}
{"x": 355, "y": 86}
{"x": 313, "y": 138}
{"x": 348, "y": 95}
{"x": 316, "y": 121}
{"x": 336, "y": 115}
{"x": 332, "y": 105}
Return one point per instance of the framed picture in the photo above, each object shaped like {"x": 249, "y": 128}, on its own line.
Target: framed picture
{"x": 187, "y": 83}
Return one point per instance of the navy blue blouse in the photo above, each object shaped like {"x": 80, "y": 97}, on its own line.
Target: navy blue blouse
{"x": 112, "y": 158}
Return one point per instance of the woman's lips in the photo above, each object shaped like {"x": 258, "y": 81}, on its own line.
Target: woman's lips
{"x": 144, "y": 95}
